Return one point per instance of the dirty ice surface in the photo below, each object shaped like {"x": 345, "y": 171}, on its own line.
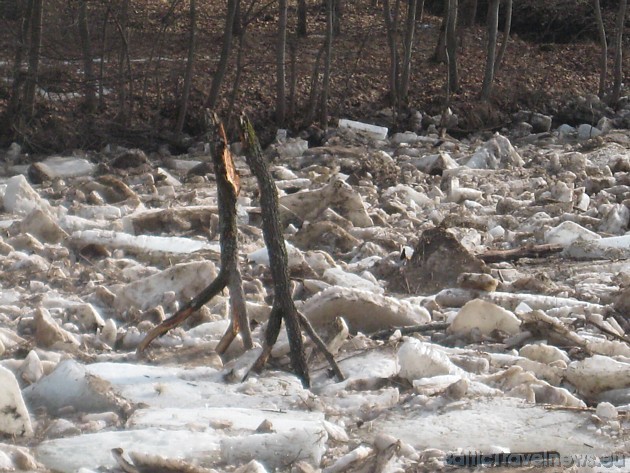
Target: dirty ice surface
{"x": 474, "y": 292}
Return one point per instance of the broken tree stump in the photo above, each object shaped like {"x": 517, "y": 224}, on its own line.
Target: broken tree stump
{"x": 228, "y": 187}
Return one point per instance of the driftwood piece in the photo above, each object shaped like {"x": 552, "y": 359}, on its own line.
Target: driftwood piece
{"x": 535, "y": 251}
{"x": 422, "y": 328}
{"x": 283, "y": 307}
{"x": 229, "y": 275}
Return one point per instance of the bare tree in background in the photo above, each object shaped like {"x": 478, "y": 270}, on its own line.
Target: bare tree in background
{"x": 323, "y": 116}
{"x": 86, "y": 49}
{"x": 618, "y": 65}
{"x": 301, "y": 19}
{"x": 451, "y": 46}
{"x": 281, "y": 48}
{"x": 400, "y": 64}
{"x": 603, "y": 44}
{"x": 190, "y": 65}
{"x": 491, "y": 48}
{"x": 219, "y": 75}
{"x": 37, "y": 12}
{"x": 507, "y": 26}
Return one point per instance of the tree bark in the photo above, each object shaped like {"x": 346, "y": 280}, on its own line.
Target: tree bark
{"x": 507, "y": 26}
{"x": 281, "y": 47}
{"x": 283, "y": 306}
{"x": 618, "y": 65}
{"x": 603, "y": 61}
{"x": 491, "y": 48}
{"x": 86, "y": 49}
{"x": 190, "y": 65}
{"x": 123, "y": 56}
{"x": 219, "y": 75}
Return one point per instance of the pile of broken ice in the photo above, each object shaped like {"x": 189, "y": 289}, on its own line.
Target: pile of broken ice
{"x": 522, "y": 355}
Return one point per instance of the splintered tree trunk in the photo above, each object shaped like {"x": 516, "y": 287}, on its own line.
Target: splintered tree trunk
{"x": 283, "y": 306}
{"x": 491, "y": 51}
{"x": 229, "y": 275}
{"x": 603, "y": 62}
{"x": 190, "y": 64}
{"x": 618, "y": 65}
{"x": 86, "y": 48}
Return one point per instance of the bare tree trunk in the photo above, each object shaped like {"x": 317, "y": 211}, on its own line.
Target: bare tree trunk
{"x": 293, "y": 73}
{"x": 451, "y": 46}
{"x": 507, "y": 26}
{"x": 618, "y": 65}
{"x": 15, "y": 105}
{"x": 101, "y": 72}
{"x": 86, "y": 48}
{"x": 603, "y": 61}
{"x": 301, "y": 19}
{"x": 237, "y": 26}
{"x": 391, "y": 25}
{"x": 491, "y": 51}
{"x": 410, "y": 29}
{"x": 281, "y": 47}
{"x": 313, "y": 94}
{"x": 219, "y": 75}
{"x": 337, "y": 15}
{"x": 323, "y": 116}
{"x": 123, "y": 56}
{"x": 440, "y": 54}
{"x": 33, "y": 58}
{"x": 190, "y": 65}
{"x": 283, "y": 306}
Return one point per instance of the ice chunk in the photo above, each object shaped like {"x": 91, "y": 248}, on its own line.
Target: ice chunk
{"x": 543, "y": 353}
{"x": 598, "y": 373}
{"x": 423, "y": 360}
{"x": 21, "y": 198}
{"x": 364, "y": 311}
{"x": 345, "y": 462}
{"x": 586, "y": 131}
{"x": 277, "y": 450}
{"x": 568, "y": 232}
{"x": 61, "y": 167}
{"x": 71, "y": 385}
{"x": 261, "y": 256}
{"x": 611, "y": 248}
{"x": 374, "y": 131}
{"x": 485, "y": 317}
{"x": 14, "y": 418}
{"x": 292, "y": 148}
{"x": 186, "y": 280}
{"x": 606, "y": 410}
{"x": 142, "y": 243}
{"x": 338, "y": 277}
{"x": 49, "y": 334}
